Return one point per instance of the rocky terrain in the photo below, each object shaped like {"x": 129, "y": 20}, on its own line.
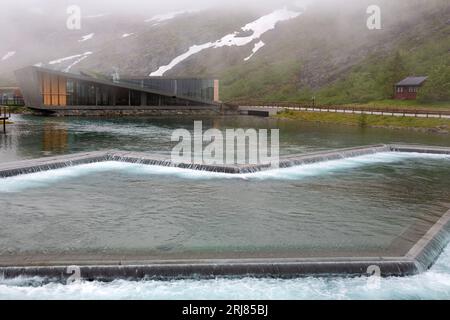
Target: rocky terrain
{"x": 286, "y": 51}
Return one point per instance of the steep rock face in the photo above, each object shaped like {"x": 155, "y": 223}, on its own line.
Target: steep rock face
{"x": 276, "y": 51}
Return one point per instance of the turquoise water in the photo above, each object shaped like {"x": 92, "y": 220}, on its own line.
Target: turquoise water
{"x": 169, "y": 213}
{"x": 434, "y": 284}
{"x": 369, "y": 201}
{"x": 34, "y": 137}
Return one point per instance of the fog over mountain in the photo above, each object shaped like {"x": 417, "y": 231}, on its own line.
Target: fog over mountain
{"x": 252, "y": 46}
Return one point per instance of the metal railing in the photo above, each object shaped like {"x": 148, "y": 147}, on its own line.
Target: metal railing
{"x": 353, "y": 109}
{"x": 13, "y": 102}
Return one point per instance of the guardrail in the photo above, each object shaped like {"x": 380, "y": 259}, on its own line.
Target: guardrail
{"x": 13, "y": 102}
{"x": 353, "y": 109}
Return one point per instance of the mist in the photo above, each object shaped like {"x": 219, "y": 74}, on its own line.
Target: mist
{"x": 129, "y": 6}
{"x": 35, "y": 31}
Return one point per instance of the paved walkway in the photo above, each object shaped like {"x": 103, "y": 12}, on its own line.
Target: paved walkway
{"x": 272, "y": 110}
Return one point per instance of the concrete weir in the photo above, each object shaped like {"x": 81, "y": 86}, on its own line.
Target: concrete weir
{"x": 51, "y": 163}
{"x": 419, "y": 258}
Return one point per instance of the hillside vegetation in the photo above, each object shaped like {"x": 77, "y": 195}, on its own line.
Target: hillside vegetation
{"x": 419, "y": 46}
{"x": 434, "y": 125}
{"x": 326, "y": 52}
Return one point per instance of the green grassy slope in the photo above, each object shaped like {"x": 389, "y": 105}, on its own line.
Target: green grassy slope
{"x": 421, "y": 124}
{"x": 362, "y": 74}
{"x": 372, "y": 80}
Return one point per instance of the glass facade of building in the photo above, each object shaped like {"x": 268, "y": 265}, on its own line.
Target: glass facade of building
{"x": 51, "y": 90}
{"x": 201, "y": 89}
{"x": 59, "y": 90}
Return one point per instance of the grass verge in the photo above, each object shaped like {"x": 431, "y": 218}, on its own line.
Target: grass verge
{"x": 18, "y": 110}
{"x": 366, "y": 120}
{"x": 405, "y": 104}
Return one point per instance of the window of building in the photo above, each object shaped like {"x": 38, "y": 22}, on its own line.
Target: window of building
{"x": 53, "y": 89}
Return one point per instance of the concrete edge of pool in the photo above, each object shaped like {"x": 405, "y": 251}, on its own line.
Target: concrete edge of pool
{"x": 418, "y": 259}
{"x": 50, "y": 163}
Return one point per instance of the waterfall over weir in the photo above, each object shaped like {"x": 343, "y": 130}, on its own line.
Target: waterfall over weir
{"x": 411, "y": 252}
{"x": 51, "y": 163}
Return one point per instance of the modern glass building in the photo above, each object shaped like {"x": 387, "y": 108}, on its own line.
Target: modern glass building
{"x": 202, "y": 89}
{"x": 52, "y": 90}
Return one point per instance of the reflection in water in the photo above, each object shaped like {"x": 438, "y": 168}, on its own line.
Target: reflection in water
{"x": 364, "y": 208}
{"x": 6, "y": 142}
{"x": 34, "y": 137}
{"x": 8, "y": 146}
{"x": 54, "y": 138}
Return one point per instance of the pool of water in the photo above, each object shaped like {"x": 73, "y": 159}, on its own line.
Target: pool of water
{"x": 34, "y": 137}
{"x": 114, "y": 208}
{"x": 353, "y": 207}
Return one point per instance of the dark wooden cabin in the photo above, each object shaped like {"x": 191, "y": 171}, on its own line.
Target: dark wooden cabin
{"x": 408, "y": 88}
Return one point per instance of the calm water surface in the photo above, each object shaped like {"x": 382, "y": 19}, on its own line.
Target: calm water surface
{"x": 165, "y": 212}
{"x": 33, "y": 137}
{"x": 113, "y": 208}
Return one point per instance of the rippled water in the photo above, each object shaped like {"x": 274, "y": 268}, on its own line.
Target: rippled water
{"x": 32, "y": 137}
{"x": 169, "y": 212}
{"x": 434, "y": 284}
{"x": 112, "y": 208}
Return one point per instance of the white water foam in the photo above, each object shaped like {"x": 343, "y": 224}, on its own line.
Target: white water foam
{"x": 434, "y": 284}
{"x": 45, "y": 178}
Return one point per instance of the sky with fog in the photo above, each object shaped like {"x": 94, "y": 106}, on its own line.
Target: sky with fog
{"x": 35, "y": 31}
{"x": 126, "y": 6}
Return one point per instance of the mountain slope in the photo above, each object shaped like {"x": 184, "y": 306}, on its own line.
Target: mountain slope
{"x": 343, "y": 62}
{"x": 270, "y": 53}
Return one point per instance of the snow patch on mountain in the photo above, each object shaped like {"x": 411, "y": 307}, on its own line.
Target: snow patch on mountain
{"x": 100, "y": 15}
{"x": 166, "y": 16}
{"x": 86, "y": 37}
{"x": 126, "y": 35}
{"x": 61, "y": 60}
{"x": 256, "y": 48}
{"x": 258, "y": 27}
{"x": 75, "y": 63}
{"x": 8, "y": 55}
{"x": 158, "y": 19}
{"x": 77, "y": 57}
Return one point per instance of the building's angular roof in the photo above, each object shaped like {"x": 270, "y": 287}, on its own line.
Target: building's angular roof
{"x": 412, "y": 81}
{"x": 125, "y": 85}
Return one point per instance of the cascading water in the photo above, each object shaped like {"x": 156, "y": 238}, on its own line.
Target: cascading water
{"x": 293, "y": 168}
{"x": 353, "y": 218}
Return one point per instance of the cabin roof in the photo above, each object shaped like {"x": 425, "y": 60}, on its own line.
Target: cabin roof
{"x": 412, "y": 81}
